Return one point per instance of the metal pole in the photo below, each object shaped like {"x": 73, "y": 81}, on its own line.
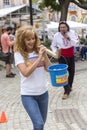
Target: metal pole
{"x": 10, "y": 20}
{"x": 31, "y": 16}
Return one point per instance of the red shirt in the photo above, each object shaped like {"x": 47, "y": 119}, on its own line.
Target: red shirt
{"x": 69, "y": 52}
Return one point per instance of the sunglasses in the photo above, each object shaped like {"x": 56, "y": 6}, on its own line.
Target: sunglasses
{"x": 61, "y": 22}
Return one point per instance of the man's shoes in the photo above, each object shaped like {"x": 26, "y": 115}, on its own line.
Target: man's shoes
{"x": 12, "y": 73}
{"x": 65, "y": 96}
{"x": 10, "y": 76}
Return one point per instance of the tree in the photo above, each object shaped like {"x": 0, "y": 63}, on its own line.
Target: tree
{"x": 63, "y": 5}
{"x": 46, "y": 3}
{"x": 34, "y": 1}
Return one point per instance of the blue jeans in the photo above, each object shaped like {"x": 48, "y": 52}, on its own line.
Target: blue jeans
{"x": 83, "y": 52}
{"x": 36, "y": 107}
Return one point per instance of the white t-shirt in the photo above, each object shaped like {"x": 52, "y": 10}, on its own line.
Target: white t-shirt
{"x": 35, "y": 84}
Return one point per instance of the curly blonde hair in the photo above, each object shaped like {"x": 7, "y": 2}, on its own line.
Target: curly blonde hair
{"x": 23, "y": 33}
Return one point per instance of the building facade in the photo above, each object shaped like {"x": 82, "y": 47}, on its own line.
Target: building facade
{"x": 8, "y": 3}
{"x": 77, "y": 14}
{"x": 74, "y": 14}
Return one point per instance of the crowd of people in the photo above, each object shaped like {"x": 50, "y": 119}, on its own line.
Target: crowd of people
{"x": 31, "y": 59}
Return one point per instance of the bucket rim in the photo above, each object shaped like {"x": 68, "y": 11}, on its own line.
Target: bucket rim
{"x": 56, "y": 69}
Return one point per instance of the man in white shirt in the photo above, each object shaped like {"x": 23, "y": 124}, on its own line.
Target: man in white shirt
{"x": 66, "y": 40}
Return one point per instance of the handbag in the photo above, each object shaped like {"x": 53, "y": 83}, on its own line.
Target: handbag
{"x": 4, "y": 56}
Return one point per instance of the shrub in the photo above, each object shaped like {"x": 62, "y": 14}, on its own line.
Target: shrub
{"x": 47, "y": 43}
{"x": 83, "y": 41}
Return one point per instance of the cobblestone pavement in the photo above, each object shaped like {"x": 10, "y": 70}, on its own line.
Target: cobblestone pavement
{"x": 70, "y": 114}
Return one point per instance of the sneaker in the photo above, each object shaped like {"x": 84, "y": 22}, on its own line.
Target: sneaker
{"x": 65, "y": 96}
{"x": 10, "y": 76}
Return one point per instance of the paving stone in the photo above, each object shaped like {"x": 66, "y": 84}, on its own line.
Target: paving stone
{"x": 70, "y": 114}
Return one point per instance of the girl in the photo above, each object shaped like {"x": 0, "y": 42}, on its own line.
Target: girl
{"x": 32, "y": 61}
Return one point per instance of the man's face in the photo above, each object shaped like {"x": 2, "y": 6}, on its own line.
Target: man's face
{"x": 63, "y": 28}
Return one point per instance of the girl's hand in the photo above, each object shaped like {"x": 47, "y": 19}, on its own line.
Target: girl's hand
{"x": 42, "y": 50}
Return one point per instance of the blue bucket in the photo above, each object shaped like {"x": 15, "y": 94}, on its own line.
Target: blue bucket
{"x": 58, "y": 74}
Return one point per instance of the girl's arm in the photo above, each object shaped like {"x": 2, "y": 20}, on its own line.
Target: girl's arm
{"x": 26, "y": 70}
{"x": 47, "y": 61}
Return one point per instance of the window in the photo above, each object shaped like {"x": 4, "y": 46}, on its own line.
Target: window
{"x": 73, "y": 18}
{"x": 6, "y": 2}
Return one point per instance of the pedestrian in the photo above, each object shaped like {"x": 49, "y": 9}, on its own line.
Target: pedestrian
{"x": 83, "y": 52}
{"x": 32, "y": 61}
{"x": 66, "y": 40}
{"x": 6, "y": 44}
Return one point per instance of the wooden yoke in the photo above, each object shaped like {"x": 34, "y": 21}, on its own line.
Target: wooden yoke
{"x": 55, "y": 55}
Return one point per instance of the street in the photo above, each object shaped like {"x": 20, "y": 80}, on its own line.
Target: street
{"x": 69, "y": 114}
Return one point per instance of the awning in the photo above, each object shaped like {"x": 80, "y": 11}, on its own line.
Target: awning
{"x": 72, "y": 24}
{"x": 6, "y": 11}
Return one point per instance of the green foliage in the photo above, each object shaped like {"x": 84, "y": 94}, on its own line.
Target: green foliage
{"x": 47, "y": 43}
{"x": 42, "y": 6}
{"x": 46, "y": 3}
{"x": 83, "y": 41}
{"x": 34, "y": 1}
